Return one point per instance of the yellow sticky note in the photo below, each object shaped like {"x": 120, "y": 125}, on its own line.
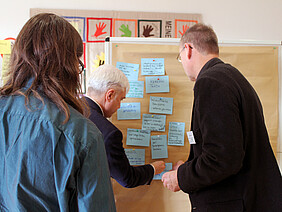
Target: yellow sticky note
{"x": 5, "y": 67}
{"x": 5, "y": 47}
{"x": 75, "y": 25}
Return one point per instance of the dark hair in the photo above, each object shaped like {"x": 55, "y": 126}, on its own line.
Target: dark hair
{"x": 47, "y": 51}
{"x": 202, "y": 37}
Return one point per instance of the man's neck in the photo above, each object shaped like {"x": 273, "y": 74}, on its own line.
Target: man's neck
{"x": 97, "y": 102}
{"x": 203, "y": 60}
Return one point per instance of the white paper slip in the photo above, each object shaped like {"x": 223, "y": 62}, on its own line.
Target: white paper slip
{"x": 191, "y": 138}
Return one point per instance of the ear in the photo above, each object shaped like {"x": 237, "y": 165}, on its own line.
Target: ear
{"x": 188, "y": 50}
{"x": 110, "y": 94}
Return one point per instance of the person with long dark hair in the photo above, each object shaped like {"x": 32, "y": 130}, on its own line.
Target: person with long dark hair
{"x": 52, "y": 158}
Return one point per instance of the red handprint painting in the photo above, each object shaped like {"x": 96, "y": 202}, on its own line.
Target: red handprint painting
{"x": 98, "y": 29}
{"x": 184, "y": 28}
{"x": 182, "y": 25}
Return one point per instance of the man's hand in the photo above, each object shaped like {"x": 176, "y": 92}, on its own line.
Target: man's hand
{"x": 170, "y": 180}
{"x": 159, "y": 166}
{"x": 179, "y": 163}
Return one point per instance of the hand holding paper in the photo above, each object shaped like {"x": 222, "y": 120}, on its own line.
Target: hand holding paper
{"x": 179, "y": 163}
{"x": 170, "y": 180}
{"x": 159, "y": 166}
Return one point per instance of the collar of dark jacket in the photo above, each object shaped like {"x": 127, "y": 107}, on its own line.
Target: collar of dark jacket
{"x": 94, "y": 105}
{"x": 212, "y": 62}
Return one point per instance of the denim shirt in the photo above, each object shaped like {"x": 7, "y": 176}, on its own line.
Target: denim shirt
{"x": 49, "y": 166}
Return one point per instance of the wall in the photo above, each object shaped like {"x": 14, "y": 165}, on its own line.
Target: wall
{"x": 232, "y": 20}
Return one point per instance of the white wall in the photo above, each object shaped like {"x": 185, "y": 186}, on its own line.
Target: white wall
{"x": 232, "y": 20}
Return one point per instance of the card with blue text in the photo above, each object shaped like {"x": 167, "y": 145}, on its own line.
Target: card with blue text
{"x": 161, "y": 105}
{"x": 153, "y": 122}
{"x": 138, "y": 137}
{"x": 136, "y": 89}
{"x": 129, "y": 111}
{"x": 176, "y": 133}
{"x": 130, "y": 70}
{"x": 152, "y": 66}
{"x": 158, "y": 84}
{"x": 135, "y": 156}
{"x": 159, "y": 146}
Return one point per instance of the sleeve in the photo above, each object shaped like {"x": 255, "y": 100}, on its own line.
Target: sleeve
{"x": 120, "y": 168}
{"x": 219, "y": 148}
{"x": 93, "y": 180}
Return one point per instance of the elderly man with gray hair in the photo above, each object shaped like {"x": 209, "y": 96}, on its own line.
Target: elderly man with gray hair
{"x": 107, "y": 87}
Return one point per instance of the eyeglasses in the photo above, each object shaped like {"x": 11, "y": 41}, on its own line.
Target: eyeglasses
{"x": 81, "y": 67}
{"x": 178, "y": 56}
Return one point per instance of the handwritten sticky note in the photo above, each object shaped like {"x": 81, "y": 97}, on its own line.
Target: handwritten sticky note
{"x": 159, "y": 146}
{"x": 5, "y": 47}
{"x": 136, "y": 89}
{"x": 130, "y": 70}
{"x": 168, "y": 167}
{"x": 159, "y": 84}
{"x": 153, "y": 122}
{"x": 152, "y": 66}
{"x": 176, "y": 133}
{"x": 161, "y": 105}
{"x": 135, "y": 156}
{"x": 129, "y": 111}
{"x": 138, "y": 137}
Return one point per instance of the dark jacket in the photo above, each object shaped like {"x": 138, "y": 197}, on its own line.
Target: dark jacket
{"x": 120, "y": 169}
{"x": 232, "y": 166}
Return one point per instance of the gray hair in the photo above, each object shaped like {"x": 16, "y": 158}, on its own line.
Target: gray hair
{"x": 202, "y": 37}
{"x": 106, "y": 77}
